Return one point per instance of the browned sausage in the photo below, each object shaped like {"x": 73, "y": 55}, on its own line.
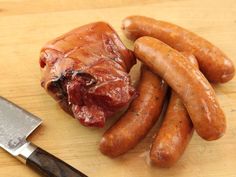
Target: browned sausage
{"x": 175, "y": 132}
{"x": 173, "y": 136}
{"x": 214, "y": 64}
{"x": 143, "y": 112}
{"x": 191, "y": 58}
{"x": 188, "y": 82}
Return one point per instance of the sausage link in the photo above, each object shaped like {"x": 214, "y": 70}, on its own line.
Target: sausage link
{"x": 175, "y": 132}
{"x": 214, "y": 64}
{"x": 143, "y": 112}
{"x": 188, "y": 82}
{"x": 173, "y": 136}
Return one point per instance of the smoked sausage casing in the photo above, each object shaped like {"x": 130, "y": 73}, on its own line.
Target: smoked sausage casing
{"x": 175, "y": 132}
{"x": 143, "y": 112}
{"x": 173, "y": 136}
{"x": 188, "y": 82}
{"x": 214, "y": 64}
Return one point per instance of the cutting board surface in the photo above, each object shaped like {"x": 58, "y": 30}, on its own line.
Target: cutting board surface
{"x": 26, "y": 25}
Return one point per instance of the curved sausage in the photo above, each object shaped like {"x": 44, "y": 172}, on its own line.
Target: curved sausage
{"x": 143, "y": 112}
{"x": 214, "y": 64}
{"x": 188, "y": 82}
{"x": 175, "y": 132}
{"x": 173, "y": 136}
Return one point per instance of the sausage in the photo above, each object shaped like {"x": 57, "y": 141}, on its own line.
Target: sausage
{"x": 191, "y": 58}
{"x": 188, "y": 82}
{"x": 214, "y": 64}
{"x": 143, "y": 112}
{"x": 173, "y": 136}
{"x": 175, "y": 132}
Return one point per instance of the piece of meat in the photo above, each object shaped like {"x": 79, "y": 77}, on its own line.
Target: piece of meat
{"x": 86, "y": 71}
{"x": 142, "y": 114}
{"x": 188, "y": 82}
{"x": 213, "y": 63}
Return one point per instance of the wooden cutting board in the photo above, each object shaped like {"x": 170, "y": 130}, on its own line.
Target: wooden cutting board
{"x": 26, "y": 25}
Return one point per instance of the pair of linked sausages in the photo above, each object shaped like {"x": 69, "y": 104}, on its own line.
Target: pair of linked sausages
{"x": 168, "y": 53}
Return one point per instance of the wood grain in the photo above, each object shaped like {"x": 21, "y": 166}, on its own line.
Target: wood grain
{"x": 27, "y": 25}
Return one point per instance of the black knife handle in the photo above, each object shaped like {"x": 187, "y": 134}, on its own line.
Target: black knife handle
{"x": 50, "y": 166}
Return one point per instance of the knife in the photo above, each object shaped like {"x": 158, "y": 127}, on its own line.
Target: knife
{"x": 16, "y": 124}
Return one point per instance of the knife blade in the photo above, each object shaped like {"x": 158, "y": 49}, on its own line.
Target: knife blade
{"x": 16, "y": 124}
